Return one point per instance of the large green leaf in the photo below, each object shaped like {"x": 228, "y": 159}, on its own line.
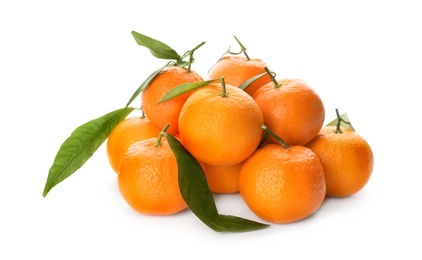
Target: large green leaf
{"x": 81, "y": 145}
{"x": 198, "y": 196}
{"x": 156, "y": 47}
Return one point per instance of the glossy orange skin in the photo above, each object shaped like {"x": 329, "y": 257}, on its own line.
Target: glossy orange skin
{"x": 124, "y": 134}
{"x": 167, "y": 112}
{"x": 282, "y": 186}
{"x": 293, "y": 111}
{"x": 148, "y": 179}
{"x": 220, "y": 130}
{"x": 238, "y": 69}
{"x": 347, "y": 159}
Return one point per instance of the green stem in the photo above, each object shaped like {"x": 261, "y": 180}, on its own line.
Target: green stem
{"x": 191, "y": 55}
{"x": 278, "y": 138}
{"x": 243, "y": 48}
{"x": 339, "y": 120}
{"x": 338, "y": 130}
{"x": 273, "y": 79}
{"x": 223, "y": 86}
{"x": 162, "y": 133}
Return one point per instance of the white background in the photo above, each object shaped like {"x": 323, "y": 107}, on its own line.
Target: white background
{"x": 63, "y": 63}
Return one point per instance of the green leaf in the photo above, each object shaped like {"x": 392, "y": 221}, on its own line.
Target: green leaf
{"x": 246, "y": 84}
{"x": 156, "y": 47}
{"x": 144, "y": 85}
{"x": 344, "y": 117}
{"x": 184, "y": 88}
{"x": 81, "y": 145}
{"x": 198, "y": 196}
{"x": 182, "y": 63}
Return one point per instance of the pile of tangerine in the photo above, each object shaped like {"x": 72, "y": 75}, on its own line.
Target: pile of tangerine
{"x": 266, "y": 142}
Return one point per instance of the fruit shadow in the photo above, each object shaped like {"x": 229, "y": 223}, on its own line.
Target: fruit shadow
{"x": 334, "y": 204}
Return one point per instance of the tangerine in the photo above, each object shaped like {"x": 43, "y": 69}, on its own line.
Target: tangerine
{"x": 238, "y": 69}
{"x": 124, "y": 134}
{"x": 347, "y": 159}
{"x": 220, "y": 124}
{"x": 292, "y": 109}
{"x": 148, "y": 178}
{"x": 167, "y": 112}
{"x": 282, "y": 185}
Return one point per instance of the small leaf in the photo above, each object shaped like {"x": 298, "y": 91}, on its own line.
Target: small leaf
{"x": 344, "y": 117}
{"x": 198, "y": 196}
{"x": 156, "y": 47}
{"x": 184, "y": 88}
{"x": 182, "y": 63}
{"x": 81, "y": 145}
{"x": 144, "y": 85}
{"x": 246, "y": 84}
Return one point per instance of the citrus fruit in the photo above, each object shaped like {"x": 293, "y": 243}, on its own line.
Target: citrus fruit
{"x": 223, "y": 178}
{"x": 125, "y": 133}
{"x": 238, "y": 69}
{"x": 292, "y": 109}
{"x": 347, "y": 159}
{"x": 220, "y": 124}
{"x": 148, "y": 178}
{"x": 282, "y": 185}
{"x": 166, "y": 112}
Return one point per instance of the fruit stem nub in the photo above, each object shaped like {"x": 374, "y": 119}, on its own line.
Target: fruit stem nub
{"x": 162, "y": 133}
{"x": 278, "y": 138}
{"x": 223, "y": 86}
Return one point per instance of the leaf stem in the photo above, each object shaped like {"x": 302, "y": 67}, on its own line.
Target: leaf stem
{"x": 339, "y": 120}
{"x": 162, "y": 133}
{"x": 191, "y": 59}
{"x": 278, "y": 138}
{"x": 272, "y": 76}
{"x": 243, "y": 48}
